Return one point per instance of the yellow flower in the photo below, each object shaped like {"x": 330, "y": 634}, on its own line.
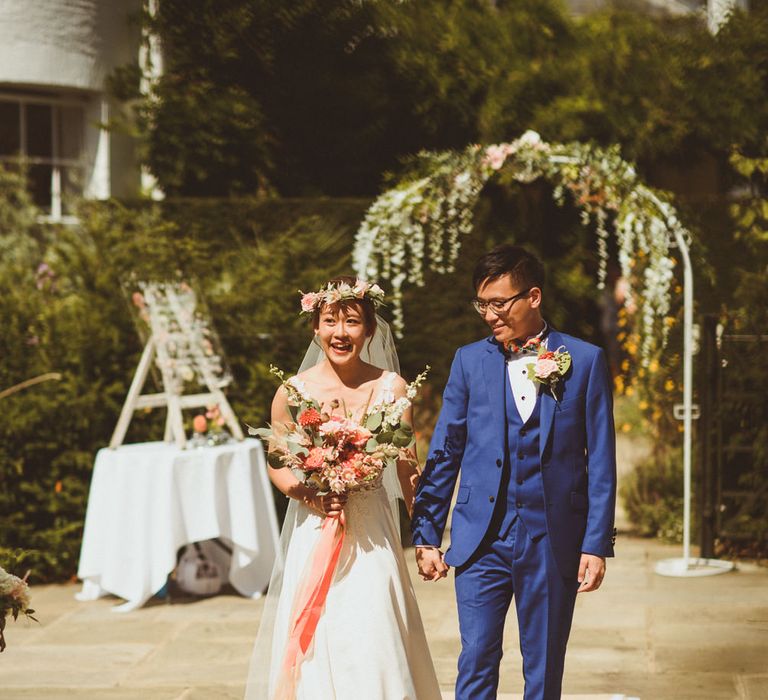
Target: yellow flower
{"x": 626, "y": 427}
{"x": 669, "y": 385}
{"x": 629, "y": 391}
{"x": 653, "y": 367}
{"x": 669, "y": 320}
{"x": 643, "y": 405}
{"x": 625, "y": 365}
{"x": 641, "y": 372}
{"x": 618, "y": 383}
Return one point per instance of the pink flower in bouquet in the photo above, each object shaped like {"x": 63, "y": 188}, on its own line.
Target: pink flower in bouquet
{"x": 308, "y": 301}
{"x": 545, "y": 367}
{"x": 360, "y": 436}
{"x": 334, "y": 427}
{"x": 199, "y": 424}
{"x": 315, "y": 459}
{"x": 310, "y": 418}
{"x": 349, "y": 473}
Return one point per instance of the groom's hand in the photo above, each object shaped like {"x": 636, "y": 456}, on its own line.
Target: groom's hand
{"x": 591, "y": 572}
{"x": 431, "y": 564}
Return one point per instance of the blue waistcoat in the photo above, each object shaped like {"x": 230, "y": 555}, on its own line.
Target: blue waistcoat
{"x": 521, "y": 492}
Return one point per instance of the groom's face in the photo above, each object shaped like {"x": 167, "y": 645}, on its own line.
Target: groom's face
{"x": 521, "y": 315}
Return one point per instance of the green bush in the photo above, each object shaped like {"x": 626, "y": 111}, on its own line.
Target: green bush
{"x": 652, "y": 495}
{"x": 64, "y": 309}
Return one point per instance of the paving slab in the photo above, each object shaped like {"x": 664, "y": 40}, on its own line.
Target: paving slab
{"x": 641, "y": 636}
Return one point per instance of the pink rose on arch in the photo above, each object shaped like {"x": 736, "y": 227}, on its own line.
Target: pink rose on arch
{"x": 495, "y": 156}
{"x": 308, "y": 301}
{"x": 545, "y": 368}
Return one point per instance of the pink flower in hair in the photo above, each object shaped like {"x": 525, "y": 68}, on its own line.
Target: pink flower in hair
{"x": 309, "y": 301}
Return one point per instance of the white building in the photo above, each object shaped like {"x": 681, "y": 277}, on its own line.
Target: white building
{"x": 55, "y": 56}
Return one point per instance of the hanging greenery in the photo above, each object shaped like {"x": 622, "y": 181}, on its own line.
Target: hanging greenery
{"x": 419, "y": 223}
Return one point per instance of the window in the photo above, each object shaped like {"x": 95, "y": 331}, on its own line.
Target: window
{"x": 46, "y": 134}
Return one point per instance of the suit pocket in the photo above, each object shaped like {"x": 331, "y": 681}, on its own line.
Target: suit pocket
{"x": 579, "y": 502}
{"x": 565, "y": 404}
{"x": 463, "y": 494}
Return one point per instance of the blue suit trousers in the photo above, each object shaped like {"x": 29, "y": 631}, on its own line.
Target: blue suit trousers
{"x": 500, "y": 570}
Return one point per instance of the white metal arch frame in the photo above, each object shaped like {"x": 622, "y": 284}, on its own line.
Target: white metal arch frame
{"x": 383, "y": 223}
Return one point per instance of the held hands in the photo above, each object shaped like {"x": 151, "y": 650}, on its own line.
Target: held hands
{"x": 431, "y": 564}
{"x": 591, "y": 572}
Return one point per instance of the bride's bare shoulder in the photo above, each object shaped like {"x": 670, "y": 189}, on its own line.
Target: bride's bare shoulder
{"x": 398, "y": 384}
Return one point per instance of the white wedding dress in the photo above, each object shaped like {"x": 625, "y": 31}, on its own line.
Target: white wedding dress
{"x": 369, "y": 643}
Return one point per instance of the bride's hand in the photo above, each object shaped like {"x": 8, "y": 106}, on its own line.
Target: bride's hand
{"x": 330, "y": 504}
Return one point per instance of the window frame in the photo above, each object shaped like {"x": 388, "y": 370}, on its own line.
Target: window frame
{"x": 56, "y": 161}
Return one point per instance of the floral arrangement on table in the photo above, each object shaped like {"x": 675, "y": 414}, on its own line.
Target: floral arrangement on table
{"x": 335, "y": 452}
{"x": 419, "y": 222}
{"x": 208, "y": 428}
{"x": 14, "y": 601}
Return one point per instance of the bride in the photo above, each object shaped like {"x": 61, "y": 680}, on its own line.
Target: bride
{"x": 369, "y": 641}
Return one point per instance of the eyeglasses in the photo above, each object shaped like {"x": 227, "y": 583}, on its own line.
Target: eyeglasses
{"x": 498, "y": 306}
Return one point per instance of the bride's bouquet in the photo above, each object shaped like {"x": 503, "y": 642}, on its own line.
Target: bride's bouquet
{"x": 336, "y": 452}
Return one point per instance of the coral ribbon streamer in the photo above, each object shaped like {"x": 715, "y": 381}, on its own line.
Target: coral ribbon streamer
{"x": 310, "y": 602}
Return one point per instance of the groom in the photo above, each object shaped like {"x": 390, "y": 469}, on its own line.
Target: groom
{"x": 536, "y": 460}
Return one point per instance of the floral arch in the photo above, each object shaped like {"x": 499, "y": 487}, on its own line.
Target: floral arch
{"x": 419, "y": 223}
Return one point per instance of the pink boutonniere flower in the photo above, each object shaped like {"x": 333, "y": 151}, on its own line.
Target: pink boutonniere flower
{"x": 550, "y": 367}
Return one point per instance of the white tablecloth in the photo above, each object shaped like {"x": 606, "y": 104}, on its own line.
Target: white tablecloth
{"x": 150, "y": 499}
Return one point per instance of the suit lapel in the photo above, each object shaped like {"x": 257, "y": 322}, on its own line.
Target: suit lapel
{"x": 494, "y": 371}
{"x": 548, "y": 403}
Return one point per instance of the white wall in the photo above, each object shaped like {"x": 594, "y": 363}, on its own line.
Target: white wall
{"x": 66, "y": 43}
{"x": 69, "y": 47}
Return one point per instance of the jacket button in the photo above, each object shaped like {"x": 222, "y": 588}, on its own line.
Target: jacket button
{"x": 498, "y": 462}
{"x": 520, "y": 455}
{"x": 523, "y": 432}
{"x": 491, "y": 499}
{"x": 518, "y": 505}
{"x": 519, "y": 482}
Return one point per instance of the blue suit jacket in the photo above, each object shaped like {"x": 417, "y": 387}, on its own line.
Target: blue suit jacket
{"x": 577, "y": 451}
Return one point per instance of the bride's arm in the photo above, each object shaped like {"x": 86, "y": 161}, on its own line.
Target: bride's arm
{"x": 407, "y": 470}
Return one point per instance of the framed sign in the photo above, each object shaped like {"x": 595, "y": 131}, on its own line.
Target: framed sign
{"x": 182, "y": 347}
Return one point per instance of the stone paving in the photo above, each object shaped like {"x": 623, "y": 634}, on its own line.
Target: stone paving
{"x": 641, "y": 636}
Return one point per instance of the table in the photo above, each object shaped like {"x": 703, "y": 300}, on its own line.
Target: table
{"x": 148, "y": 500}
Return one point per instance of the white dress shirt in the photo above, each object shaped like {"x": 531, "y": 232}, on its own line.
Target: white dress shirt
{"x": 524, "y": 390}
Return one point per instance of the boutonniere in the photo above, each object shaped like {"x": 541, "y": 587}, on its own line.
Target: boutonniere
{"x": 550, "y": 367}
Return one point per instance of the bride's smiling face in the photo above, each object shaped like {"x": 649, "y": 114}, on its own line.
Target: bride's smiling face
{"x": 341, "y": 331}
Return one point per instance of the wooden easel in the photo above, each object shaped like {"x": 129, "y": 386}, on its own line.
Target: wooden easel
{"x": 178, "y": 339}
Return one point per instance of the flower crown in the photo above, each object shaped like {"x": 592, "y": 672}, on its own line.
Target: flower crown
{"x": 333, "y": 293}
